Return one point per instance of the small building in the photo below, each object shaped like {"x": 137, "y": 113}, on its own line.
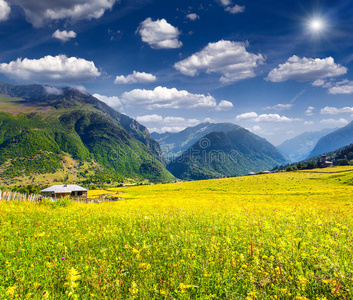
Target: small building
{"x": 325, "y": 163}
{"x": 60, "y": 191}
{"x": 251, "y": 173}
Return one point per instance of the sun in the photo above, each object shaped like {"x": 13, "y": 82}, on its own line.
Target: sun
{"x": 316, "y": 25}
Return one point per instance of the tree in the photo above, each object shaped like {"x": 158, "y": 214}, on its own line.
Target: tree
{"x": 311, "y": 164}
{"x": 289, "y": 168}
{"x": 343, "y": 162}
{"x": 300, "y": 166}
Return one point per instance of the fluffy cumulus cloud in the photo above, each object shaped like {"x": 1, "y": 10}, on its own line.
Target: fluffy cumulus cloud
{"x": 309, "y": 111}
{"x": 334, "y": 122}
{"x": 135, "y": 77}
{"x": 150, "y": 119}
{"x": 193, "y": 17}
{"x": 335, "y": 111}
{"x": 4, "y": 10}
{"x": 342, "y": 87}
{"x": 162, "y": 97}
{"x": 40, "y": 11}
{"x": 306, "y": 69}
{"x": 159, "y": 34}
{"x": 224, "y": 57}
{"x": 275, "y": 118}
{"x": 279, "y": 107}
{"x": 53, "y": 69}
{"x": 170, "y": 124}
{"x": 64, "y": 35}
{"x": 224, "y": 105}
{"x": 254, "y": 117}
{"x": 112, "y": 101}
{"x": 246, "y": 116}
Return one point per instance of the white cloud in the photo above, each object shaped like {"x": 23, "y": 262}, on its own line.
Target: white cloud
{"x": 334, "y": 110}
{"x": 309, "y": 111}
{"x": 162, "y": 97}
{"x": 333, "y": 122}
{"x": 52, "y": 90}
{"x": 259, "y": 130}
{"x": 79, "y": 88}
{"x": 308, "y": 123}
{"x": 319, "y": 82}
{"x": 159, "y": 34}
{"x": 39, "y": 11}
{"x": 64, "y": 36}
{"x": 225, "y": 2}
{"x": 55, "y": 69}
{"x": 246, "y": 116}
{"x": 254, "y": 117}
{"x": 276, "y": 118}
{"x": 256, "y": 128}
{"x": 170, "y": 124}
{"x": 236, "y": 9}
{"x": 306, "y": 69}
{"x": 233, "y": 9}
{"x": 279, "y": 107}
{"x": 4, "y": 10}
{"x": 225, "y": 57}
{"x": 224, "y": 105}
{"x": 135, "y": 77}
{"x": 343, "y": 87}
{"x": 193, "y": 17}
{"x": 111, "y": 101}
{"x": 150, "y": 119}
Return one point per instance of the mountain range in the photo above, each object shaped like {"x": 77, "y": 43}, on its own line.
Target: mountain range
{"x": 50, "y": 134}
{"x": 300, "y": 147}
{"x": 235, "y": 151}
{"x": 334, "y": 140}
{"x": 174, "y": 144}
{"x": 62, "y": 134}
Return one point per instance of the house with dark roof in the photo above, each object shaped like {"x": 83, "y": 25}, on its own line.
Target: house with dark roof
{"x": 60, "y": 191}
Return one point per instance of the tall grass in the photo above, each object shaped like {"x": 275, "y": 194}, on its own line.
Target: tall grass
{"x": 280, "y": 236}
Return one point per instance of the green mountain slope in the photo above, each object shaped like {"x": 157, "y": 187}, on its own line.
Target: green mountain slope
{"x": 334, "y": 140}
{"x": 235, "y": 152}
{"x": 74, "y": 135}
{"x": 174, "y": 144}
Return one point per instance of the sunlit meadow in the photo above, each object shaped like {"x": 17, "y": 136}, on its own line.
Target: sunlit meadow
{"x": 277, "y": 236}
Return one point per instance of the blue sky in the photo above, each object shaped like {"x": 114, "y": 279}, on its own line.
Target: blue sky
{"x": 278, "y": 68}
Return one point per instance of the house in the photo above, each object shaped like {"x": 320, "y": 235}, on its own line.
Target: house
{"x": 251, "y": 173}
{"x": 59, "y": 191}
{"x": 325, "y": 163}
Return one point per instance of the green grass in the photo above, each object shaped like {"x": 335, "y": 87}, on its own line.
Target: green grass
{"x": 277, "y": 236}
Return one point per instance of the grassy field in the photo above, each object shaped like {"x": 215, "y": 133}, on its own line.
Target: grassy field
{"x": 277, "y": 236}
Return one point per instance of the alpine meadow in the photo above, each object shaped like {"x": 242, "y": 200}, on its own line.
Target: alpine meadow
{"x": 277, "y": 236}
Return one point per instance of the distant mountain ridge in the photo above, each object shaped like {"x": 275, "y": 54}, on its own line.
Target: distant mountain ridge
{"x": 299, "y": 147}
{"x": 334, "y": 140}
{"x": 174, "y": 144}
{"x": 229, "y": 153}
{"x": 49, "y": 130}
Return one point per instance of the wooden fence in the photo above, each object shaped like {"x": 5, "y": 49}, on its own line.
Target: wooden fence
{"x": 16, "y": 196}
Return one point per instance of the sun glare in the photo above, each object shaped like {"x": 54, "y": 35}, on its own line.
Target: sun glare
{"x": 316, "y": 25}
